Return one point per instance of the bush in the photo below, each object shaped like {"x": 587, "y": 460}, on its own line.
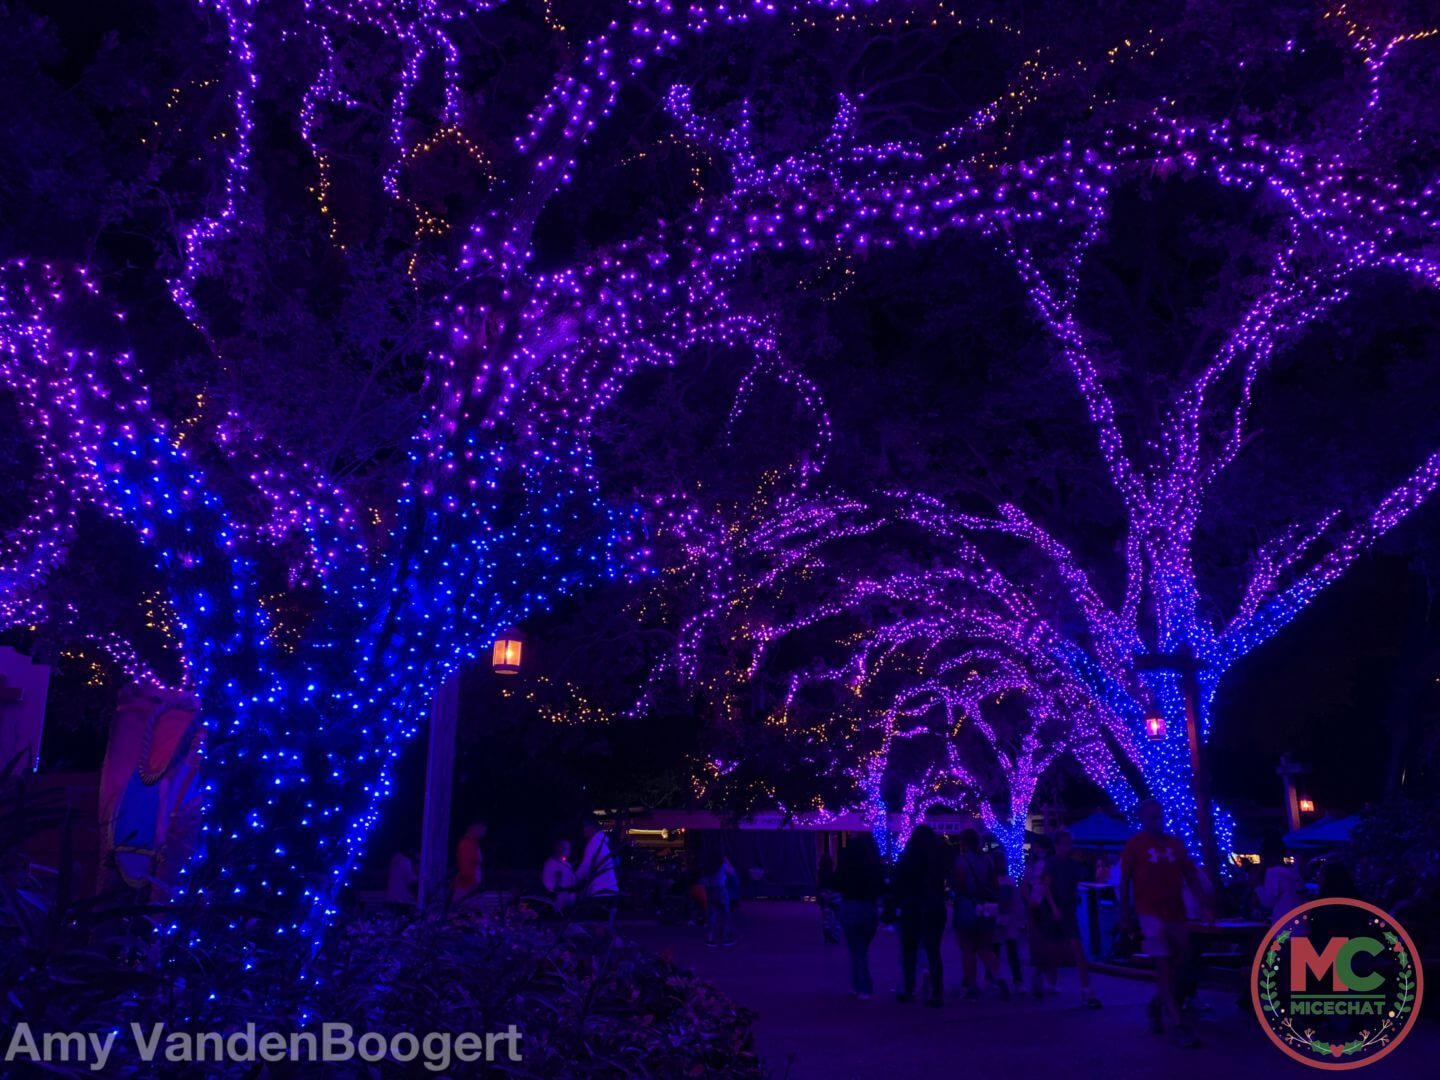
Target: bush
{"x": 1395, "y": 852}
{"x": 586, "y": 1001}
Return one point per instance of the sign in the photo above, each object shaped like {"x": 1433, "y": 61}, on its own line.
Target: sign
{"x": 1337, "y": 984}
{"x": 23, "y": 688}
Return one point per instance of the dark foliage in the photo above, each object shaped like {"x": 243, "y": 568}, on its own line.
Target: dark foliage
{"x": 586, "y": 1001}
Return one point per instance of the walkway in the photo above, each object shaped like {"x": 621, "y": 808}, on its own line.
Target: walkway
{"x": 810, "y": 1028}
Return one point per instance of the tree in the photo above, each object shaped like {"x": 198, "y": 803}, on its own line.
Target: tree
{"x": 1252, "y": 274}
{"x": 334, "y": 545}
{"x": 852, "y": 655}
{"x": 332, "y": 551}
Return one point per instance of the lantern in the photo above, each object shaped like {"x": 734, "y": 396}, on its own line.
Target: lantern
{"x": 505, "y": 660}
{"x": 1155, "y": 725}
{"x": 1307, "y": 806}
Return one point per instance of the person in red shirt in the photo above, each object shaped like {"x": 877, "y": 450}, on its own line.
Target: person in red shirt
{"x": 1155, "y": 868}
{"x": 467, "y": 862}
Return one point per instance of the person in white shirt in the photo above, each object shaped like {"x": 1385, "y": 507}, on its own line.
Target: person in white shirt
{"x": 558, "y": 877}
{"x": 596, "y": 872}
{"x": 403, "y": 880}
{"x": 1281, "y": 889}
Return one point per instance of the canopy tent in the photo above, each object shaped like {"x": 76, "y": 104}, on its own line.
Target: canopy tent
{"x": 1322, "y": 833}
{"x": 1101, "y": 830}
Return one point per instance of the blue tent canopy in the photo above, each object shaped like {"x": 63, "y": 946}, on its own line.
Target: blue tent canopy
{"x": 1322, "y": 833}
{"x": 1101, "y": 830}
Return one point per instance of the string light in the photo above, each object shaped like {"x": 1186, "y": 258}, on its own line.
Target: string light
{"x": 951, "y": 689}
{"x": 500, "y": 511}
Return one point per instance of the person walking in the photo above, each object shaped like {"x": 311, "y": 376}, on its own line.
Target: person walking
{"x": 860, "y": 882}
{"x": 722, "y": 884}
{"x": 976, "y": 887}
{"x": 1044, "y": 950}
{"x": 1061, "y": 885}
{"x": 1154, "y": 871}
{"x": 918, "y": 895}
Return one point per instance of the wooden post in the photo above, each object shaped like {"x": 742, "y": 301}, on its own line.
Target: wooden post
{"x": 1200, "y": 782}
{"x": 439, "y": 785}
{"x": 1288, "y": 770}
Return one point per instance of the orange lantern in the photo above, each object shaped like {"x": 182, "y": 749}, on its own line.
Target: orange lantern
{"x": 1307, "y": 806}
{"x": 505, "y": 660}
{"x": 1155, "y": 725}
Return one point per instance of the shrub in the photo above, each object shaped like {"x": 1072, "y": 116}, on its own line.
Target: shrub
{"x": 586, "y": 1001}
{"x": 1395, "y": 851}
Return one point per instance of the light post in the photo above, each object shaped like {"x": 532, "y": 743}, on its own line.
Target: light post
{"x": 440, "y": 767}
{"x": 1186, "y": 666}
{"x": 1288, "y": 770}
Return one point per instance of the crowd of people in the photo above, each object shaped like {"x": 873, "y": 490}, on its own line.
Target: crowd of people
{"x": 587, "y": 889}
{"x": 992, "y": 915}
{"x": 1001, "y": 925}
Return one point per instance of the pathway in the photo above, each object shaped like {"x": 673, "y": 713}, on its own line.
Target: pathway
{"x": 810, "y": 1028}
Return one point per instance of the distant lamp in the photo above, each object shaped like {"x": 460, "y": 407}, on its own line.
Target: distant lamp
{"x": 1307, "y": 806}
{"x": 505, "y": 660}
{"x": 1155, "y": 725}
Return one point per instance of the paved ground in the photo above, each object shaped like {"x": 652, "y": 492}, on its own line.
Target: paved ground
{"x": 810, "y": 1027}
